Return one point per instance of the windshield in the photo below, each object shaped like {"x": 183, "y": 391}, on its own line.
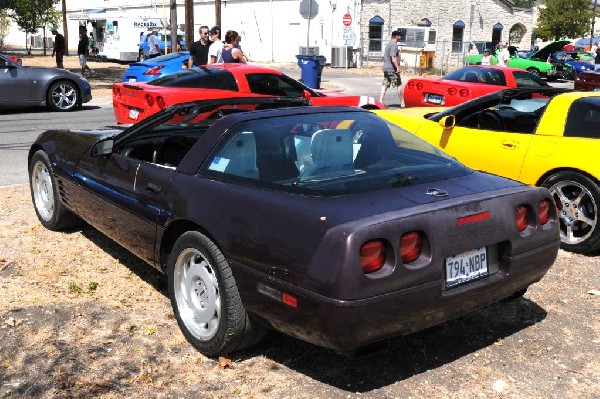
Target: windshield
{"x": 333, "y": 153}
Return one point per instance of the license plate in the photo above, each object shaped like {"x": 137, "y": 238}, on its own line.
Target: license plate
{"x": 467, "y": 266}
{"x": 596, "y": 88}
{"x": 134, "y": 113}
{"x": 132, "y": 80}
{"x": 433, "y": 98}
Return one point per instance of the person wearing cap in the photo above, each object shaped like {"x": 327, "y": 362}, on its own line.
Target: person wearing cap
{"x": 216, "y": 48}
{"x": 59, "y": 48}
{"x": 503, "y": 55}
{"x": 153, "y": 44}
{"x": 199, "y": 49}
{"x": 391, "y": 67}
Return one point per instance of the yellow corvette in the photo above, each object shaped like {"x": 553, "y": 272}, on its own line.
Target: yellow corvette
{"x": 545, "y": 137}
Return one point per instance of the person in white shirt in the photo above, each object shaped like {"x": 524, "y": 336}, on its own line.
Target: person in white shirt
{"x": 216, "y": 48}
{"x": 487, "y": 58}
{"x": 503, "y": 55}
{"x": 153, "y": 45}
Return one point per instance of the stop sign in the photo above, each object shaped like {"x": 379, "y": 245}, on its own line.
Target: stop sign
{"x": 347, "y": 20}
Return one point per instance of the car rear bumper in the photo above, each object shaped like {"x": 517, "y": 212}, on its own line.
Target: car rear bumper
{"x": 349, "y": 325}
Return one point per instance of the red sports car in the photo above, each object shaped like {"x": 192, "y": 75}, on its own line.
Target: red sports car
{"x": 133, "y": 102}
{"x": 465, "y": 84}
{"x": 587, "y": 81}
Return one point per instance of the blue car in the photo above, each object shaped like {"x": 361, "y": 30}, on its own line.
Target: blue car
{"x": 150, "y": 69}
{"x": 566, "y": 58}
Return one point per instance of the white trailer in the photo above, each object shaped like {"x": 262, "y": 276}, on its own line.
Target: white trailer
{"x": 118, "y": 36}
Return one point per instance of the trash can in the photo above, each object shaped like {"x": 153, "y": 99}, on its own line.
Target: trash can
{"x": 311, "y": 67}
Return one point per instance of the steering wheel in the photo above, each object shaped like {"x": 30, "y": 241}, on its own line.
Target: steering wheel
{"x": 171, "y": 151}
{"x": 489, "y": 120}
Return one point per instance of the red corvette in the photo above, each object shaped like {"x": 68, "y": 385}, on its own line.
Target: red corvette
{"x": 133, "y": 102}
{"x": 465, "y": 84}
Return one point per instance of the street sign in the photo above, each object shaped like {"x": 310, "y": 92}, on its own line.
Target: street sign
{"x": 347, "y": 19}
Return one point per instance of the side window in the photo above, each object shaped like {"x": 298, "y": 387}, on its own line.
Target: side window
{"x": 274, "y": 85}
{"x": 583, "y": 119}
{"x": 525, "y": 79}
{"x": 238, "y": 157}
{"x": 496, "y": 77}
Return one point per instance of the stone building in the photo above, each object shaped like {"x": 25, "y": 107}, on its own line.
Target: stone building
{"x": 436, "y": 34}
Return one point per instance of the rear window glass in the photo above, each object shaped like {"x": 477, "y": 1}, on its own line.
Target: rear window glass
{"x": 478, "y": 75}
{"x": 198, "y": 78}
{"x": 525, "y": 79}
{"x": 583, "y": 119}
{"x": 274, "y": 85}
{"x": 327, "y": 154}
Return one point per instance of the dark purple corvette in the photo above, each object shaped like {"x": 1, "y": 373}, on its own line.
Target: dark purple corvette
{"x": 326, "y": 223}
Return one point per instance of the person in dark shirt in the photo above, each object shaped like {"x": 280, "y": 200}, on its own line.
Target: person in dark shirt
{"x": 59, "y": 48}
{"x": 199, "y": 49}
{"x": 83, "y": 50}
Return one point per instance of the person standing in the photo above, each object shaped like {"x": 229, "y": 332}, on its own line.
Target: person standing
{"x": 83, "y": 50}
{"x": 391, "y": 67}
{"x": 487, "y": 58}
{"x": 503, "y": 55}
{"x": 59, "y": 48}
{"x": 215, "y": 52}
{"x": 199, "y": 49}
{"x": 230, "y": 52}
{"x": 153, "y": 44}
{"x": 597, "y": 60}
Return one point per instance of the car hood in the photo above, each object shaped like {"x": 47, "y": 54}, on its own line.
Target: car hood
{"x": 549, "y": 49}
{"x": 55, "y": 71}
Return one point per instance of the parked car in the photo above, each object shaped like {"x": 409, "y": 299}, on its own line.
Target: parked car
{"x": 25, "y": 86}
{"x": 326, "y": 223}
{"x": 587, "y": 81}
{"x": 13, "y": 58}
{"x": 144, "y": 49}
{"x": 133, "y": 102}
{"x": 546, "y": 137}
{"x": 536, "y": 62}
{"x": 577, "y": 66}
{"x": 465, "y": 84}
{"x": 152, "y": 68}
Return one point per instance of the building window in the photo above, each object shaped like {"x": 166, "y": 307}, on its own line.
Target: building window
{"x": 497, "y": 34}
{"x": 458, "y": 30}
{"x": 376, "y": 33}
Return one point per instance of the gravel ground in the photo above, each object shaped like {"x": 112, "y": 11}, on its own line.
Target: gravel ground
{"x": 80, "y": 318}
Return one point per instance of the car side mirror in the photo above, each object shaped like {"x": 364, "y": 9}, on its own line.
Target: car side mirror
{"x": 448, "y": 122}
{"x": 103, "y": 147}
{"x": 306, "y": 94}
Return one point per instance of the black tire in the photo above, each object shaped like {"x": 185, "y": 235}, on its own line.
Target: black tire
{"x": 534, "y": 72}
{"x": 50, "y": 210}
{"x": 515, "y": 296}
{"x": 205, "y": 298}
{"x": 577, "y": 198}
{"x": 63, "y": 96}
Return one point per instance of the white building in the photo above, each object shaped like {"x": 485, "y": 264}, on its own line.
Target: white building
{"x": 278, "y": 30}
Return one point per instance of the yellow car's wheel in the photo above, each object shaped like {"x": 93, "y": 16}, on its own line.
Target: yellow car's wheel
{"x": 577, "y": 198}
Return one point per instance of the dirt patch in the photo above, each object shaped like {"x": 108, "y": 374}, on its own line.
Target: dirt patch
{"x": 82, "y": 318}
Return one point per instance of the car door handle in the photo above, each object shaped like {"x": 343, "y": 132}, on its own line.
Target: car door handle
{"x": 153, "y": 188}
{"x": 513, "y": 145}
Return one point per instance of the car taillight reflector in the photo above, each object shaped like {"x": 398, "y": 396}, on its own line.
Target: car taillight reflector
{"x": 478, "y": 217}
{"x": 372, "y": 256}
{"x": 410, "y": 85}
{"x": 149, "y": 100}
{"x": 410, "y": 246}
{"x": 522, "y": 217}
{"x": 155, "y": 71}
{"x": 463, "y": 93}
{"x": 452, "y": 91}
{"x": 160, "y": 101}
{"x": 544, "y": 211}
{"x": 116, "y": 92}
{"x": 289, "y": 300}
{"x": 419, "y": 86}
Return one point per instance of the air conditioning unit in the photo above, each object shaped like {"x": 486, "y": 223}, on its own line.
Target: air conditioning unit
{"x": 341, "y": 57}
{"x": 308, "y": 51}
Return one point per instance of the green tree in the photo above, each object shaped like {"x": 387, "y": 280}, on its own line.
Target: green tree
{"x": 524, "y": 3}
{"x": 4, "y": 25}
{"x": 563, "y": 19}
{"x": 32, "y": 15}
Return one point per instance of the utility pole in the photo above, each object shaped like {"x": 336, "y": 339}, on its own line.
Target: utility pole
{"x": 65, "y": 30}
{"x": 189, "y": 23}
{"x": 174, "y": 41}
{"x": 593, "y": 23}
{"x": 218, "y": 14}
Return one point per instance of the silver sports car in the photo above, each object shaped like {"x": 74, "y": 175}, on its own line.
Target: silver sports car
{"x": 23, "y": 86}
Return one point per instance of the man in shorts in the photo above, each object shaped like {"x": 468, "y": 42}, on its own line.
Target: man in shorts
{"x": 82, "y": 50}
{"x": 391, "y": 67}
